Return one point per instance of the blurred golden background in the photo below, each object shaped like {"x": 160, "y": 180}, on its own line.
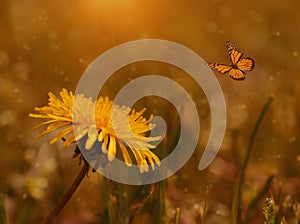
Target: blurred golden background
{"x": 46, "y": 46}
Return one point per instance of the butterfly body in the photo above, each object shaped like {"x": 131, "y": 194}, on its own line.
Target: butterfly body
{"x": 239, "y": 65}
{"x": 235, "y": 67}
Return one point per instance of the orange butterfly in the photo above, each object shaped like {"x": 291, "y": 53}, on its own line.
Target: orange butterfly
{"x": 239, "y": 65}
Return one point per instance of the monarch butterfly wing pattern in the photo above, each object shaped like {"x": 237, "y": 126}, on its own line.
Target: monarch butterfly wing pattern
{"x": 239, "y": 65}
{"x": 246, "y": 64}
{"x": 236, "y": 74}
{"x": 234, "y": 53}
{"x": 219, "y": 67}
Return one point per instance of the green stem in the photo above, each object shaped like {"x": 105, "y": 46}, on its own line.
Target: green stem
{"x": 177, "y": 216}
{"x": 251, "y": 142}
{"x": 205, "y": 205}
{"x": 246, "y": 160}
{"x": 66, "y": 197}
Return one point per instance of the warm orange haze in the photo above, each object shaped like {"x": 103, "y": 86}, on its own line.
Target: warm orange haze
{"x": 45, "y": 46}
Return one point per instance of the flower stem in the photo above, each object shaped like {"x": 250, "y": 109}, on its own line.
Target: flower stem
{"x": 66, "y": 197}
{"x": 177, "y": 216}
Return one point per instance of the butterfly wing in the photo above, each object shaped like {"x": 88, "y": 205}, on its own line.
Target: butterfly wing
{"x": 234, "y": 53}
{"x": 236, "y": 74}
{"x": 239, "y": 65}
{"x": 246, "y": 64}
{"x": 219, "y": 67}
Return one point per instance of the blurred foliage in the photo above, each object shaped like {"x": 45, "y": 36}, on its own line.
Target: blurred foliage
{"x": 45, "y": 46}
{"x": 269, "y": 211}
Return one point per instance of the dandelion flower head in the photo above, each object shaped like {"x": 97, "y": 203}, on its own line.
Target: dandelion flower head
{"x": 77, "y": 118}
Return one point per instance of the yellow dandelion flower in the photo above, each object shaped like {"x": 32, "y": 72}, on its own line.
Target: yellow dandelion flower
{"x": 101, "y": 127}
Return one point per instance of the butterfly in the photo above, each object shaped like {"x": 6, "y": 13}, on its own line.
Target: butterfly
{"x": 239, "y": 65}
